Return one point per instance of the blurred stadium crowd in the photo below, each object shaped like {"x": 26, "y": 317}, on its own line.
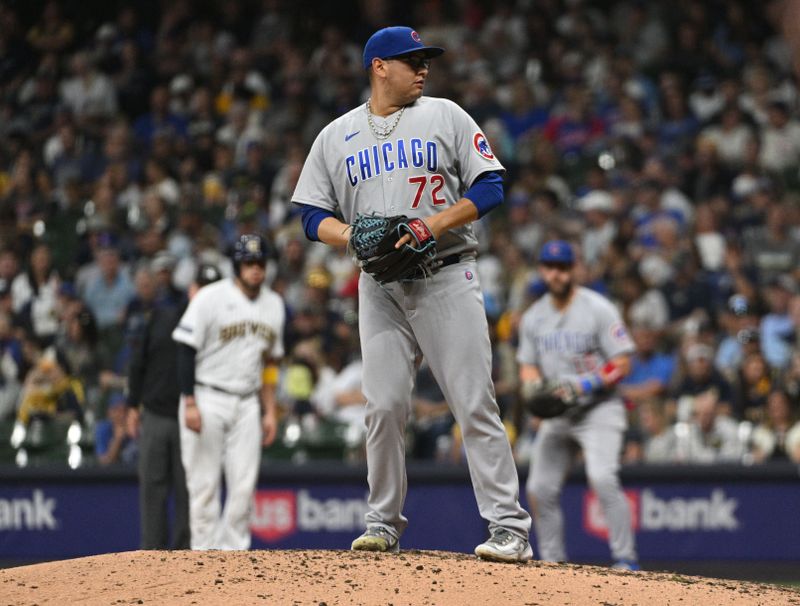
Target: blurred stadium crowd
{"x": 659, "y": 137}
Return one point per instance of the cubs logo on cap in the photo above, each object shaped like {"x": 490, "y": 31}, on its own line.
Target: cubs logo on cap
{"x": 395, "y": 41}
{"x": 482, "y": 146}
{"x": 557, "y": 251}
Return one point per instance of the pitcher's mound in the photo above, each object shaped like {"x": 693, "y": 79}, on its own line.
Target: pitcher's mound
{"x": 342, "y": 577}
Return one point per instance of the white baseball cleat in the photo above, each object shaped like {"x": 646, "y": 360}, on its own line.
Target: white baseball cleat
{"x": 503, "y": 546}
{"x": 376, "y": 538}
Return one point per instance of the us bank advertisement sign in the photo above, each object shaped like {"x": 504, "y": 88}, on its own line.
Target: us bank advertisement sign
{"x": 727, "y": 521}
{"x": 694, "y": 521}
{"x": 45, "y": 521}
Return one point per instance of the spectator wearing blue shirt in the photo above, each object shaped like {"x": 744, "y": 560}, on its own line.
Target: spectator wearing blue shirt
{"x": 649, "y": 211}
{"x": 678, "y": 126}
{"x": 110, "y": 291}
{"x": 524, "y": 116}
{"x": 777, "y": 328}
{"x": 111, "y": 441}
{"x": 159, "y": 120}
{"x": 651, "y": 371}
{"x": 741, "y": 326}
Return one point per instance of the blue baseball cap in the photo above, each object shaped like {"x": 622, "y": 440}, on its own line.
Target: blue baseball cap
{"x": 395, "y": 41}
{"x": 557, "y": 251}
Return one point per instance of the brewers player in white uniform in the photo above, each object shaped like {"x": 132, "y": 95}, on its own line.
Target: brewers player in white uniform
{"x": 229, "y": 339}
{"x": 576, "y": 337}
{"x": 424, "y": 157}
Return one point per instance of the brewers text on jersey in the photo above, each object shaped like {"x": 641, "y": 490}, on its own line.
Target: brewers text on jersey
{"x": 241, "y": 329}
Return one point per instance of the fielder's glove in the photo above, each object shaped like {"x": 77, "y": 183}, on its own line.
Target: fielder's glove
{"x": 546, "y": 399}
{"x": 372, "y": 239}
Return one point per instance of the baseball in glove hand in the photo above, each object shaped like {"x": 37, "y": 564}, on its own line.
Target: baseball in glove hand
{"x": 373, "y": 239}
{"x": 546, "y": 399}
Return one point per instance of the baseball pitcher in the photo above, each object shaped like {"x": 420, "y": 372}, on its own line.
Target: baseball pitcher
{"x": 400, "y": 179}
{"x": 573, "y": 350}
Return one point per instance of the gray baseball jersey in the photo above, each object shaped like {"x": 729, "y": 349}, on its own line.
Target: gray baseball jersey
{"x": 431, "y": 158}
{"x": 579, "y": 340}
{"x": 563, "y": 345}
{"x": 433, "y": 155}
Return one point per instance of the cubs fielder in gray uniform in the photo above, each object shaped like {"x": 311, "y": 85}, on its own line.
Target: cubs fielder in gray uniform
{"x": 576, "y": 337}
{"x": 424, "y": 157}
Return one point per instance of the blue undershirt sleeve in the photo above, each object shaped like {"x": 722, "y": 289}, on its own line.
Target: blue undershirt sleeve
{"x": 486, "y": 192}
{"x": 312, "y": 216}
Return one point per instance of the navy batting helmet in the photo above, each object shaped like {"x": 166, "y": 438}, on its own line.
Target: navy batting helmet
{"x": 249, "y": 247}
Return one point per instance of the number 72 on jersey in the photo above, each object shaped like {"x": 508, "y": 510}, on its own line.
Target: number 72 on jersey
{"x": 432, "y": 184}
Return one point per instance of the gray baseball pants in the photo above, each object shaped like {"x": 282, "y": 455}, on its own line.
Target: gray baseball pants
{"x": 599, "y": 434}
{"x": 442, "y": 317}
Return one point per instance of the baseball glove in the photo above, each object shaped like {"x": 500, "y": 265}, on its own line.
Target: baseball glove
{"x": 373, "y": 238}
{"x": 545, "y": 399}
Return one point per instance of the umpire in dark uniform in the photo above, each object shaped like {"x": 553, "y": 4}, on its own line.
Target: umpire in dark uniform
{"x": 153, "y": 418}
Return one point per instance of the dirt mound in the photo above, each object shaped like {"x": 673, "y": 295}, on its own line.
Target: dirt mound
{"x": 342, "y": 577}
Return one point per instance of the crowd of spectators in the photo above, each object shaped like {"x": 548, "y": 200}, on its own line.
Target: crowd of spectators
{"x": 659, "y": 137}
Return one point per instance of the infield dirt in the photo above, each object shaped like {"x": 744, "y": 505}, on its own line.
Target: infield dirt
{"x": 318, "y": 578}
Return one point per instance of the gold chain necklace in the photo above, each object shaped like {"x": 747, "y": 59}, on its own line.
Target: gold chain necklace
{"x": 383, "y": 132}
